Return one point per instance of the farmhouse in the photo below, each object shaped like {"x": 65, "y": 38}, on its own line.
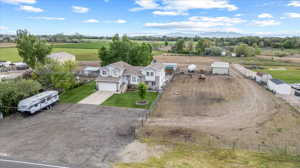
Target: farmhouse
{"x": 220, "y": 68}
{"x": 62, "y": 57}
{"x": 118, "y": 76}
{"x": 279, "y": 87}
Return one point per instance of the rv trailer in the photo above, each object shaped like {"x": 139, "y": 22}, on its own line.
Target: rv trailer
{"x": 38, "y": 102}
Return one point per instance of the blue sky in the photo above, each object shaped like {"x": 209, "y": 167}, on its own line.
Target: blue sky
{"x": 135, "y": 17}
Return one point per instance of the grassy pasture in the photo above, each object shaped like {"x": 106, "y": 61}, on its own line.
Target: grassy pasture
{"x": 290, "y": 75}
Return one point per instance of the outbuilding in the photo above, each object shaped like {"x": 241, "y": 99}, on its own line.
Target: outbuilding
{"x": 220, "y": 68}
{"x": 279, "y": 87}
{"x": 62, "y": 57}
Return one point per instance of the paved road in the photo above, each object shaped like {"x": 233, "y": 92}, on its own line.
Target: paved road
{"x": 6, "y": 163}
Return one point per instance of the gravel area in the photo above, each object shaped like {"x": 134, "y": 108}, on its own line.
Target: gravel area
{"x": 78, "y": 135}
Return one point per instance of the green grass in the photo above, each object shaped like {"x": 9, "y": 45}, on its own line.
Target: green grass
{"x": 11, "y": 54}
{"x": 78, "y": 94}
{"x": 129, "y": 99}
{"x": 274, "y": 52}
{"x": 256, "y": 61}
{"x": 193, "y": 156}
{"x": 290, "y": 75}
{"x": 85, "y": 45}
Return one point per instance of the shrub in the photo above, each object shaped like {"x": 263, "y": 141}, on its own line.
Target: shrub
{"x": 11, "y": 92}
{"x": 243, "y": 50}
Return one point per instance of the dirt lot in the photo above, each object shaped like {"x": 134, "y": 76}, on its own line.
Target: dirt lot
{"x": 230, "y": 110}
{"x": 80, "y": 135}
{"x": 289, "y": 59}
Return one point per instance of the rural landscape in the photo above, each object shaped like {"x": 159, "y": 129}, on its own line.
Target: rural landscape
{"x": 98, "y": 95}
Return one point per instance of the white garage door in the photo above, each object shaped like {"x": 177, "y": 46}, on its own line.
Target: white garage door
{"x": 107, "y": 87}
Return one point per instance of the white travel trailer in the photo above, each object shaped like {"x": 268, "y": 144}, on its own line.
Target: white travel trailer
{"x": 38, "y": 102}
{"x": 279, "y": 87}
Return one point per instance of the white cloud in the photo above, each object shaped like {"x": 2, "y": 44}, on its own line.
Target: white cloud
{"x": 293, "y": 15}
{"x": 226, "y": 21}
{"x": 47, "y": 18}
{"x": 169, "y": 13}
{"x": 196, "y": 4}
{"x": 80, "y": 9}
{"x": 91, "y": 21}
{"x": 31, "y": 9}
{"x": 3, "y": 28}
{"x": 294, "y": 3}
{"x": 265, "y": 23}
{"x": 265, "y": 15}
{"x": 238, "y": 15}
{"x": 145, "y": 4}
{"x": 184, "y": 5}
{"x": 19, "y": 1}
{"x": 120, "y": 21}
{"x": 200, "y": 24}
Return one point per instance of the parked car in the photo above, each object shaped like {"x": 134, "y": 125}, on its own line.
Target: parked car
{"x": 38, "y": 102}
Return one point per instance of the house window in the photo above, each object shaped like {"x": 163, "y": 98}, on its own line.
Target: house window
{"x": 153, "y": 83}
{"x": 104, "y": 73}
{"x": 148, "y": 73}
{"x": 152, "y": 73}
{"x": 116, "y": 73}
{"x": 134, "y": 79}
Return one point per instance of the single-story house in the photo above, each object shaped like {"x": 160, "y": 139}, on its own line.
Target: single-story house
{"x": 62, "y": 57}
{"x": 118, "y": 76}
{"x": 220, "y": 68}
{"x": 279, "y": 87}
{"x": 262, "y": 77}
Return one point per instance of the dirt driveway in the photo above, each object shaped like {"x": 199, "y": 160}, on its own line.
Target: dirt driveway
{"x": 81, "y": 135}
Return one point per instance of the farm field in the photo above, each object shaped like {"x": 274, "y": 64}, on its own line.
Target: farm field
{"x": 85, "y": 45}
{"x": 11, "y": 54}
{"x": 285, "y": 73}
{"x": 223, "y": 111}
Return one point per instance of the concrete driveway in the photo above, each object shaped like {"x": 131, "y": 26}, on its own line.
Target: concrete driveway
{"x": 97, "y": 98}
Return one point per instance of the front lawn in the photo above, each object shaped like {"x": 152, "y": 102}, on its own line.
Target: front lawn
{"x": 78, "y": 94}
{"x": 129, "y": 99}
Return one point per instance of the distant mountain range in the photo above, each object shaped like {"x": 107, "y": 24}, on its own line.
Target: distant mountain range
{"x": 207, "y": 34}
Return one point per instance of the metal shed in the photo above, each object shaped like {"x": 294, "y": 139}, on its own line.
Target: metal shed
{"x": 220, "y": 68}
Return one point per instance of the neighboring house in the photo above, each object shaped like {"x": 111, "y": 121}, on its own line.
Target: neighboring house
{"x": 90, "y": 71}
{"x": 279, "y": 87}
{"x": 220, "y": 68}
{"x": 118, "y": 76}
{"x": 262, "y": 77}
{"x": 62, "y": 57}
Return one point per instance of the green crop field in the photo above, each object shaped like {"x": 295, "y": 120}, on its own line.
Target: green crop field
{"x": 86, "y": 45}
{"x": 11, "y": 54}
{"x": 285, "y": 73}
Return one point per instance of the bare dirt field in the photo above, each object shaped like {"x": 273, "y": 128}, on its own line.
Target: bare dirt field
{"x": 229, "y": 109}
{"x": 4, "y": 45}
{"x": 83, "y": 136}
